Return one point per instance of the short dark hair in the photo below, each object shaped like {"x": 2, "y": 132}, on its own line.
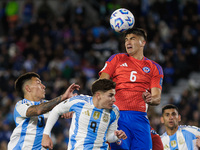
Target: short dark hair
{"x": 102, "y": 85}
{"x": 137, "y": 31}
{"x": 169, "y": 106}
{"x": 22, "y": 79}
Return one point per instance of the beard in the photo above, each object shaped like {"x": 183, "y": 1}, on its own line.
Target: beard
{"x": 173, "y": 127}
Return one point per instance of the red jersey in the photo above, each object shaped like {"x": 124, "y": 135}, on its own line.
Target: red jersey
{"x": 132, "y": 77}
{"x": 156, "y": 140}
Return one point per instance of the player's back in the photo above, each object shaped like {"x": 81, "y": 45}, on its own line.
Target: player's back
{"x": 89, "y": 124}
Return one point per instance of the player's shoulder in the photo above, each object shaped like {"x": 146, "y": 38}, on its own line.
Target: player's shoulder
{"x": 115, "y": 109}
{"x": 188, "y": 128}
{"x": 164, "y": 135}
{"x": 24, "y": 102}
{"x": 153, "y": 131}
{"x": 151, "y": 61}
{"x": 81, "y": 98}
{"x": 118, "y": 56}
{"x": 154, "y": 65}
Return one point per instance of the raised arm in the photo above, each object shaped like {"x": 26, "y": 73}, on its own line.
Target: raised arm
{"x": 47, "y": 106}
{"x": 69, "y": 92}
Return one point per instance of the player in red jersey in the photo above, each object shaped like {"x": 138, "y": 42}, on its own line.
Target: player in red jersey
{"x": 156, "y": 140}
{"x": 138, "y": 84}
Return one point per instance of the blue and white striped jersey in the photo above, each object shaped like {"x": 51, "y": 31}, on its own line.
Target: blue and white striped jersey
{"x": 183, "y": 139}
{"x": 90, "y": 127}
{"x": 29, "y": 130}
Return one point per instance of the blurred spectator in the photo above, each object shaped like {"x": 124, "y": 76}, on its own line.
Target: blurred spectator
{"x": 169, "y": 72}
{"x": 70, "y": 41}
{"x": 28, "y": 11}
{"x": 45, "y": 11}
{"x": 3, "y": 20}
{"x": 12, "y": 10}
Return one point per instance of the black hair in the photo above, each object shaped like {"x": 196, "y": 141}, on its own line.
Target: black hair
{"x": 136, "y": 31}
{"x": 102, "y": 85}
{"x": 22, "y": 79}
{"x": 169, "y": 106}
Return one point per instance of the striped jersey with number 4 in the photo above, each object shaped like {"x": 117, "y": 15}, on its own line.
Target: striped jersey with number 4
{"x": 132, "y": 77}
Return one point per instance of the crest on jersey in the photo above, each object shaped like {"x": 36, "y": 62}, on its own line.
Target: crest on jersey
{"x": 173, "y": 143}
{"x": 166, "y": 147}
{"x": 96, "y": 115}
{"x": 181, "y": 140}
{"x": 87, "y": 113}
{"x": 146, "y": 69}
{"x": 105, "y": 118}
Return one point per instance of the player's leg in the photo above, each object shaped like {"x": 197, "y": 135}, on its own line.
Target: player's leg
{"x": 142, "y": 136}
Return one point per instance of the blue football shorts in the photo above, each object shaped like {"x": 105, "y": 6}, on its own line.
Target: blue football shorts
{"x": 137, "y": 128}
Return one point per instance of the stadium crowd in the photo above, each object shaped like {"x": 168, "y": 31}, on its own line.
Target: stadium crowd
{"x": 71, "y": 44}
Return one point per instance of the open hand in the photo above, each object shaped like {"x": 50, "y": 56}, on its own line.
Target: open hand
{"x": 69, "y": 92}
{"x": 67, "y": 115}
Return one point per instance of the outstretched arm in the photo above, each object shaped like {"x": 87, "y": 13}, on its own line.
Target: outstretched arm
{"x": 53, "y": 117}
{"x": 36, "y": 110}
{"x": 69, "y": 92}
{"x": 67, "y": 115}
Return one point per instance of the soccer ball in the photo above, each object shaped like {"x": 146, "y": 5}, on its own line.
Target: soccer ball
{"x": 122, "y": 19}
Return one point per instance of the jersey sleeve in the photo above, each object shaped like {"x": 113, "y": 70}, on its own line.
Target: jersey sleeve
{"x": 21, "y": 108}
{"x": 111, "y": 137}
{"x": 157, "y": 78}
{"x": 59, "y": 109}
{"x": 110, "y": 65}
{"x": 193, "y": 129}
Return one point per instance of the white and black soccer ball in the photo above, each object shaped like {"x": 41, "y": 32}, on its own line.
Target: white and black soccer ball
{"x": 122, "y": 19}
